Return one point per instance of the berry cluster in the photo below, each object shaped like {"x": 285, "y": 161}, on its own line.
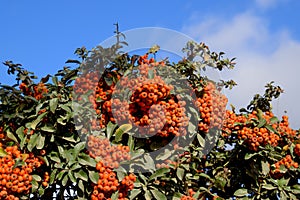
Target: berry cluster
{"x": 149, "y": 92}
{"x": 86, "y": 82}
{"x": 212, "y": 105}
{"x": 116, "y": 110}
{"x": 190, "y": 196}
{"x": 297, "y": 150}
{"x": 255, "y": 137}
{"x": 16, "y": 180}
{"x": 108, "y": 183}
{"x": 284, "y": 129}
{"x": 144, "y": 61}
{"x": 37, "y": 92}
{"x": 287, "y": 162}
{"x": 110, "y": 155}
{"x": 245, "y": 129}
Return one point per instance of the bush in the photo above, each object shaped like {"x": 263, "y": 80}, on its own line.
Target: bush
{"x": 121, "y": 126}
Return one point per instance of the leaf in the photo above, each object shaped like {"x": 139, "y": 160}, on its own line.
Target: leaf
{"x": 20, "y": 132}
{"x": 180, "y": 173}
{"x": 158, "y": 195}
{"x": 65, "y": 180}
{"x": 40, "y": 142}
{"x": 269, "y": 187}
{"x": 94, "y": 176}
{"x": 121, "y": 130}
{"x": 274, "y": 120}
{"x": 150, "y": 74}
{"x": 36, "y": 177}
{"x": 154, "y": 49}
{"x": 130, "y": 143}
{"x": 241, "y": 192}
{"x": 159, "y": 173}
{"x": 164, "y": 155}
{"x": 265, "y": 168}
{"x": 261, "y": 123}
{"x": 35, "y": 186}
{"x": 148, "y": 195}
{"x": 84, "y": 159}
{"x": 37, "y": 120}
{"x": 11, "y": 136}
{"x": 78, "y": 147}
{"x": 48, "y": 128}
{"x": 201, "y": 140}
{"x": 249, "y": 155}
{"x": 149, "y": 162}
{"x": 73, "y": 61}
{"x": 19, "y": 163}
{"x": 53, "y": 104}
{"x": 134, "y": 193}
{"x": 115, "y": 195}
{"x": 55, "y": 80}
{"x": 81, "y": 175}
{"x": 2, "y": 152}
{"x": 110, "y": 129}
{"x": 32, "y": 142}
{"x": 53, "y": 176}
{"x": 71, "y": 176}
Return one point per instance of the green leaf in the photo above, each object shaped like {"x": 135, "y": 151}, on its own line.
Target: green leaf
{"x": 19, "y": 163}
{"x": 158, "y": 195}
{"x": 269, "y": 187}
{"x": 115, "y": 195}
{"x": 148, "y": 195}
{"x": 35, "y": 186}
{"x": 274, "y": 120}
{"x": 54, "y": 156}
{"x": 110, "y": 129}
{"x": 65, "y": 180}
{"x": 121, "y": 130}
{"x": 134, "y": 193}
{"x": 53, "y": 104}
{"x": 150, "y": 74}
{"x": 48, "y": 128}
{"x": 84, "y": 159}
{"x": 41, "y": 142}
{"x": 11, "y": 136}
{"x": 61, "y": 121}
{"x": 81, "y": 175}
{"x": 159, "y": 173}
{"x": 149, "y": 162}
{"x": 180, "y": 173}
{"x": 130, "y": 143}
{"x": 249, "y": 155}
{"x": 37, "y": 120}
{"x": 261, "y": 123}
{"x": 94, "y": 176}
{"x": 78, "y": 148}
{"x": 241, "y": 192}
{"x": 283, "y": 182}
{"x": 164, "y": 155}
{"x": 55, "y": 80}
{"x": 36, "y": 177}
{"x": 71, "y": 176}
{"x": 2, "y": 152}
{"x": 32, "y": 142}
{"x": 265, "y": 168}
{"x": 201, "y": 140}
{"x": 53, "y": 176}
{"x": 20, "y": 132}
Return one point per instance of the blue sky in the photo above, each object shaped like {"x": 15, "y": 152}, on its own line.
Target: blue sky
{"x": 264, "y": 35}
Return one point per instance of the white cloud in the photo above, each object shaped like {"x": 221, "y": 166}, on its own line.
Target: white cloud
{"x": 262, "y": 55}
{"x": 266, "y": 3}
